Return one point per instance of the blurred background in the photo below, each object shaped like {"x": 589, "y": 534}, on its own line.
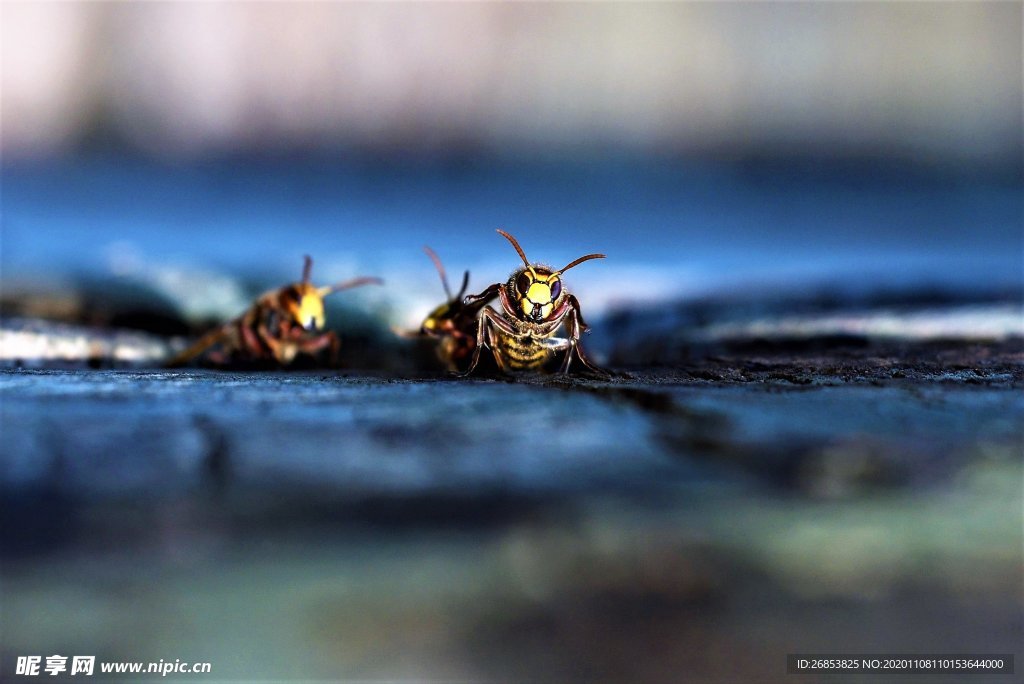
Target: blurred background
{"x": 701, "y": 146}
{"x": 795, "y": 172}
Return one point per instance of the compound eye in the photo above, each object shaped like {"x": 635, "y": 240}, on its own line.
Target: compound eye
{"x": 556, "y": 289}
{"x": 523, "y": 283}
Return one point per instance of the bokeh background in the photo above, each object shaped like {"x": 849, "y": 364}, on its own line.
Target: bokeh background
{"x": 797, "y": 172}
{"x": 699, "y": 145}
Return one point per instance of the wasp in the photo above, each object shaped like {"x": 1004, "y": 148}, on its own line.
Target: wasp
{"x": 534, "y": 306}
{"x": 280, "y": 325}
{"x": 454, "y": 323}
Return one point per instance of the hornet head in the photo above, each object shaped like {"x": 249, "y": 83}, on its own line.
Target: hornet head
{"x": 304, "y": 302}
{"x": 439, "y": 321}
{"x": 537, "y": 290}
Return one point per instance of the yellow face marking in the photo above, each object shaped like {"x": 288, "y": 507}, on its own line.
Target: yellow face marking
{"x": 311, "y": 312}
{"x": 436, "y": 318}
{"x": 542, "y": 290}
{"x": 539, "y": 292}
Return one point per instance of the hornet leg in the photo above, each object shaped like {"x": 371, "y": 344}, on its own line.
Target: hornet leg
{"x": 488, "y": 318}
{"x": 577, "y": 349}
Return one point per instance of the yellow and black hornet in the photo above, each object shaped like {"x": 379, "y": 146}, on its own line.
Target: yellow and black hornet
{"x": 534, "y": 306}
{"x": 280, "y": 325}
{"x": 453, "y": 324}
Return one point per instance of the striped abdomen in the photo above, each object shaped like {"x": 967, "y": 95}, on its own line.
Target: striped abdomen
{"x": 523, "y": 353}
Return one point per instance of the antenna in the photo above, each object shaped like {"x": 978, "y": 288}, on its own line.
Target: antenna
{"x": 348, "y": 285}
{"x": 307, "y": 268}
{"x": 579, "y": 261}
{"x": 440, "y": 269}
{"x": 519, "y": 249}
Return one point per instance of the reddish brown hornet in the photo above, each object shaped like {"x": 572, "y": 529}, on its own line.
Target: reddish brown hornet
{"x": 453, "y": 324}
{"x": 279, "y": 326}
